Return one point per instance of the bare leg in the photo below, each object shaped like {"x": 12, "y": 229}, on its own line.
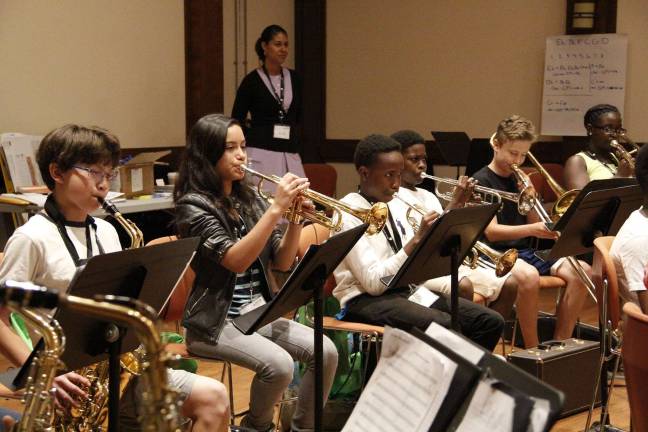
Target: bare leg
{"x": 504, "y": 303}
{"x": 479, "y": 299}
{"x": 207, "y": 405}
{"x": 572, "y": 300}
{"x": 528, "y": 284}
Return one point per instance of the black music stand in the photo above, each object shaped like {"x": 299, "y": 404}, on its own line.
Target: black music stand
{"x": 597, "y": 211}
{"x": 454, "y": 147}
{"x": 148, "y": 274}
{"x": 443, "y": 249}
{"x": 306, "y": 281}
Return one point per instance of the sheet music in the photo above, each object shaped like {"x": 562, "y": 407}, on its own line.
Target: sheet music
{"x": 407, "y": 388}
{"x": 539, "y": 415}
{"x": 455, "y": 342}
{"x": 20, "y": 153}
{"x": 490, "y": 410}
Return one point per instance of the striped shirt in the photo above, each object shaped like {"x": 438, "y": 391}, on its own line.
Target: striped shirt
{"x": 249, "y": 284}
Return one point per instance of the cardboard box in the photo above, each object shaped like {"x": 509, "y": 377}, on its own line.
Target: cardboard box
{"x": 136, "y": 175}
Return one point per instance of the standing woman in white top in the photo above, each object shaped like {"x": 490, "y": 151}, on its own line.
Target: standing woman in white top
{"x": 272, "y": 95}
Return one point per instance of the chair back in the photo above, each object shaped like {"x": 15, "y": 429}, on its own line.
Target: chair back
{"x": 322, "y": 177}
{"x": 540, "y": 183}
{"x": 603, "y": 269}
{"x": 635, "y": 353}
{"x": 175, "y": 307}
{"x": 315, "y": 234}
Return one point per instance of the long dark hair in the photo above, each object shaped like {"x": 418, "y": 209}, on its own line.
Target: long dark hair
{"x": 198, "y": 167}
{"x": 267, "y": 35}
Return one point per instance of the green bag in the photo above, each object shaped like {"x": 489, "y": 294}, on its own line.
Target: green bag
{"x": 189, "y": 365}
{"x": 348, "y": 377}
{"x": 18, "y": 324}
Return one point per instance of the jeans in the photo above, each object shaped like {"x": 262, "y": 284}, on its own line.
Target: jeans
{"x": 270, "y": 353}
{"x": 478, "y": 323}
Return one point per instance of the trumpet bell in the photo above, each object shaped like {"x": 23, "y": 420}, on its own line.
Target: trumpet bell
{"x": 506, "y": 262}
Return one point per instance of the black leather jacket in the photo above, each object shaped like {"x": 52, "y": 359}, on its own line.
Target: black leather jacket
{"x": 213, "y": 288}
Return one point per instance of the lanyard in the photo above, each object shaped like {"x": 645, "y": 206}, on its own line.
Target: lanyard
{"x": 56, "y": 217}
{"x": 394, "y": 239}
{"x": 279, "y": 97}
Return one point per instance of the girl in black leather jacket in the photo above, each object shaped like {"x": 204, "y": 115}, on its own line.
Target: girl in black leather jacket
{"x": 239, "y": 247}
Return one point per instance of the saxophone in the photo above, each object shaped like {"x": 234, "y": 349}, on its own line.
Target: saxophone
{"x": 161, "y": 406}
{"x": 92, "y": 414}
{"x": 38, "y": 397}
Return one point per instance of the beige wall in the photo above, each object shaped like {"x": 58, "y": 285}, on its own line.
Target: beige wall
{"x": 260, "y": 14}
{"x": 117, "y": 64}
{"x": 633, "y": 20}
{"x": 460, "y": 65}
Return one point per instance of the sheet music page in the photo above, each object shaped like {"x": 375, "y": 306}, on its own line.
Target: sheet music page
{"x": 407, "y": 388}
{"x": 539, "y": 415}
{"x": 20, "y": 152}
{"x": 455, "y": 342}
{"x": 490, "y": 410}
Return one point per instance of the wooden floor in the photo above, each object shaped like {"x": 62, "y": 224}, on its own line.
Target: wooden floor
{"x": 620, "y": 412}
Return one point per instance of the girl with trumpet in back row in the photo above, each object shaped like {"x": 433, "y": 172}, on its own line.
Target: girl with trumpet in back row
{"x": 510, "y": 229}
{"x": 239, "y": 247}
{"x": 600, "y": 160}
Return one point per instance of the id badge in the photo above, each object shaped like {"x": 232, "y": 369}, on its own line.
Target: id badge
{"x": 257, "y": 302}
{"x": 424, "y": 297}
{"x": 281, "y": 131}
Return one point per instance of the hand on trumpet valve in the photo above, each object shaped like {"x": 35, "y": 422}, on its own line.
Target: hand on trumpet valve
{"x": 288, "y": 189}
{"x": 463, "y": 191}
{"x": 540, "y": 230}
{"x": 624, "y": 169}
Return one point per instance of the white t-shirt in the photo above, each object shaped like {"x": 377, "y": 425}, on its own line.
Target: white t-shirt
{"x": 629, "y": 252}
{"x": 36, "y": 252}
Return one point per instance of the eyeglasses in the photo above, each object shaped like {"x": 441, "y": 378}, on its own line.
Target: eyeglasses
{"x": 99, "y": 176}
{"x": 610, "y": 130}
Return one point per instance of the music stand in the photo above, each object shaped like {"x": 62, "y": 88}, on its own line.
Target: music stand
{"x": 454, "y": 147}
{"x": 597, "y": 211}
{"x": 305, "y": 281}
{"x": 443, "y": 249}
{"x": 148, "y": 274}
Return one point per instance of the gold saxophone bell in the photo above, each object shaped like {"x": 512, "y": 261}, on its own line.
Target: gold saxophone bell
{"x": 501, "y": 262}
{"x": 376, "y": 216}
{"x": 565, "y": 198}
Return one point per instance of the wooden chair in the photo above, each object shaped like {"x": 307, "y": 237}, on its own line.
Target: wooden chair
{"x": 635, "y": 353}
{"x": 173, "y": 313}
{"x": 322, "y": 177}
{"x": 370, "y": 335}
{"x": 605, "y": 280}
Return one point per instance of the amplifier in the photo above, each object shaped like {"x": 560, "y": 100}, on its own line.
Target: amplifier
{"x": 570, "y": 366}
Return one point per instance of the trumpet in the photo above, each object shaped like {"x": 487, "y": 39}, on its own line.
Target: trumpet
{"x": 620, "y": 152}
{"x": 565, "y": 198}
{"x": 501, "y": 262}
{"x": 523, "y": 199}
{"x": 376, "y": 216}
